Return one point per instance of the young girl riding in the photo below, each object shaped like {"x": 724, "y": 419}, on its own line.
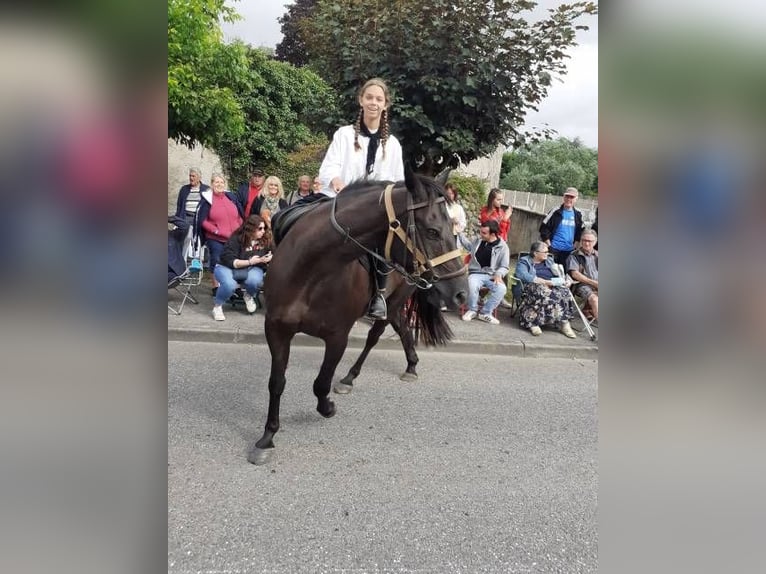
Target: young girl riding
{"x": 365, "y": 150}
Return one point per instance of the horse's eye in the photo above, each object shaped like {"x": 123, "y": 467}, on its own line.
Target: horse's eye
{"x": 433, "y": 233}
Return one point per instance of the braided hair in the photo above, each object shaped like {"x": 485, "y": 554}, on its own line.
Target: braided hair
{"x": 384, "y": 129}
{"x": 357, "y": 127}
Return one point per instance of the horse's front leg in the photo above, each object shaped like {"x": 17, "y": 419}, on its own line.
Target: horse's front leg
{"x": 279, "y": 345}
{"x": 333, "y": 352}
{"x": 399, "y": 323}
{"x": 346, "y": 384}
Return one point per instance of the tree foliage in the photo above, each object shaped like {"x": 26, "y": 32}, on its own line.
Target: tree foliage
{"x": 283, "y": 107}
{"x": 463, "y": 72}
{"x": 550, "y": 167}
{"x": 292, "y": 48}
{"x": 204, "y": 74}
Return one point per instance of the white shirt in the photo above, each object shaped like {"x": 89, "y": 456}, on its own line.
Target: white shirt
{"x": 343, "y": 161}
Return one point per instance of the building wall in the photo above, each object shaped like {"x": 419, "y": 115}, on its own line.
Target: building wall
{"x": 180, "y": 159}
{"x": 486, "y": 168}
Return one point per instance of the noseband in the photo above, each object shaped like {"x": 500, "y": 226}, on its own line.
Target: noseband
{"x": 424, "y": 275}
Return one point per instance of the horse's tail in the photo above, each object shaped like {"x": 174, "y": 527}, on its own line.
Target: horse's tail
{"x": 428, "y": 320}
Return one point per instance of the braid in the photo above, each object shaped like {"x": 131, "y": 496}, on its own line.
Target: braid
{"x": 384, "y": 130}
{"x": 357, "y": 127}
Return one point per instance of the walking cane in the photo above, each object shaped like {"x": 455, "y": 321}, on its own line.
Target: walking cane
{"x": 582, "y": 316}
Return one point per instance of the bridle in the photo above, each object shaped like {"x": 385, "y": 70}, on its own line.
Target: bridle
{"x": 424, "y": 275}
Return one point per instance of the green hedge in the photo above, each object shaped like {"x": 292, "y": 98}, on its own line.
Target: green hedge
{"x": 472, "y": 194}
{"x": 305, "y": 160}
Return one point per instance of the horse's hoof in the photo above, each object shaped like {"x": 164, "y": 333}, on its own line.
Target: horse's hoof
{"x": 260, "y": 456}
{"x": 408, "y": 377}
{"x": 342, "y": 388}
{"x": 327, "y": 411}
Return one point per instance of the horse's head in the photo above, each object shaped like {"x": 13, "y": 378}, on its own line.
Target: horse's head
{"x": 439, "y": 262}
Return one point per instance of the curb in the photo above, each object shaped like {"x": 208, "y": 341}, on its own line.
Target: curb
{"x": 512, "y": 348}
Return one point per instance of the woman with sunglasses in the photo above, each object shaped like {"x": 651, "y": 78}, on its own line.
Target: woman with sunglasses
{"x": 245, "y": 258}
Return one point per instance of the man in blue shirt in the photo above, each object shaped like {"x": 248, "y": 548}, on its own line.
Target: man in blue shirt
{"x": 562, "y": 227}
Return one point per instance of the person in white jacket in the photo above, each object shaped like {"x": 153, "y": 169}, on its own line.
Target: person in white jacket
{"x": 365, "y": 150}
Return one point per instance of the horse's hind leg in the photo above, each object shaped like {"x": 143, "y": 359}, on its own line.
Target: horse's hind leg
{"x": 346, "y": 384}
{"x": 333, "y": 352}
{"x": 399, "y": 323}
{"x": 279, "y": 345}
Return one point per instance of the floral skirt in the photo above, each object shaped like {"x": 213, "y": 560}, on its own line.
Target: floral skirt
{"x": 541, "y": 305}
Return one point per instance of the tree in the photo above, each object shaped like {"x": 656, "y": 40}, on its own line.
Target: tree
{"x": 292, "y": 48}
{"x": 463, "y": 72}
{"x": 284, "y": 108}
{"x": 550, "y": 167}
{"x": 204, "y": 74}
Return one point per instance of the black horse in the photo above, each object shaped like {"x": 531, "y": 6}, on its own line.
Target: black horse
{"x": 316, "y": 286}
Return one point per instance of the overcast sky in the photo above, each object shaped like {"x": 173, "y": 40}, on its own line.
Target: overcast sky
{"x": 571, "y": 107}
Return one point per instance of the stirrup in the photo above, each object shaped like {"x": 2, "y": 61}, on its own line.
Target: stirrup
{"x": 382, "y": 313}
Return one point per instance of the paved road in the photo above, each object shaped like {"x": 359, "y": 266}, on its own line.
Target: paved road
{"x": 486, "y": 464}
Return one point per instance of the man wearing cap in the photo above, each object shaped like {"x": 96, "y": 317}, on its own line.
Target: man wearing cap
{"x": 562, "y": 227}
{"x": 249, "y": 191}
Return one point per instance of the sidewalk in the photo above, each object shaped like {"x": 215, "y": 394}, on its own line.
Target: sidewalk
{"x": 196, "y": 324}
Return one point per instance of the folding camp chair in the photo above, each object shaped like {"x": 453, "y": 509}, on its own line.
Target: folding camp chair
{"x": 185, "y": 283}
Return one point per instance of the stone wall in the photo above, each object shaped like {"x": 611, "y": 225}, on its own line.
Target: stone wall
{"x": 525, "y": 226}
{"x": 180, "y": 159}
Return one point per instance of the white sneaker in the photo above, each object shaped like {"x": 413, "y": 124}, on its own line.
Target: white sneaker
{"x": 505, "y": 304}
{"x": 469, "y": 315}
{"x": 218, "y": 313}
{"x": 535, "y": 330}
{"x": 488, "y": 319}
{"x": 249, "y": 302}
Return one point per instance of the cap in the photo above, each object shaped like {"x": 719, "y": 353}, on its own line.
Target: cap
{"x": 571, "y": 191}
{"x": 258, "y": 171}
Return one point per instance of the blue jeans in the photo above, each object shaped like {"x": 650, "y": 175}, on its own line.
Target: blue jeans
{"x": 225, "y": 277}
{"x": 496, "y": 292}
{"x": 214, "y": 250}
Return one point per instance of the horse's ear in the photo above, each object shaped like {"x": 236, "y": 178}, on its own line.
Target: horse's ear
{"x": 410, "y": 180}
{"x": 443, "y": 176}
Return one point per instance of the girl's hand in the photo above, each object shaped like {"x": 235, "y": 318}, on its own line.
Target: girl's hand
{"x": 337, "y": 184}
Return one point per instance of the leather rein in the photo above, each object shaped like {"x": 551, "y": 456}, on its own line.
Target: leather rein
{"x": 424, "y": 276}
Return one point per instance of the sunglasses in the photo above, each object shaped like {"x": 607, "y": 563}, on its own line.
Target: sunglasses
{"x": 261, "y": 228}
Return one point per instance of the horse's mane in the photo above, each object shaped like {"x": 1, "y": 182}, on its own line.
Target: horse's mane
{"x": 433, "y": 189}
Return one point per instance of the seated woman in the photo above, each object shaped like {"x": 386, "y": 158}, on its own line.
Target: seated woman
{"x": 245, "y": 258}
{"x": 271, "y": 199}
{"x": 545, "y": 299}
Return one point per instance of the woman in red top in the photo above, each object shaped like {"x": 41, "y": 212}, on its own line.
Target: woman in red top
{"x": 220, "y": 214}
{"x": 493, "y": 210}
